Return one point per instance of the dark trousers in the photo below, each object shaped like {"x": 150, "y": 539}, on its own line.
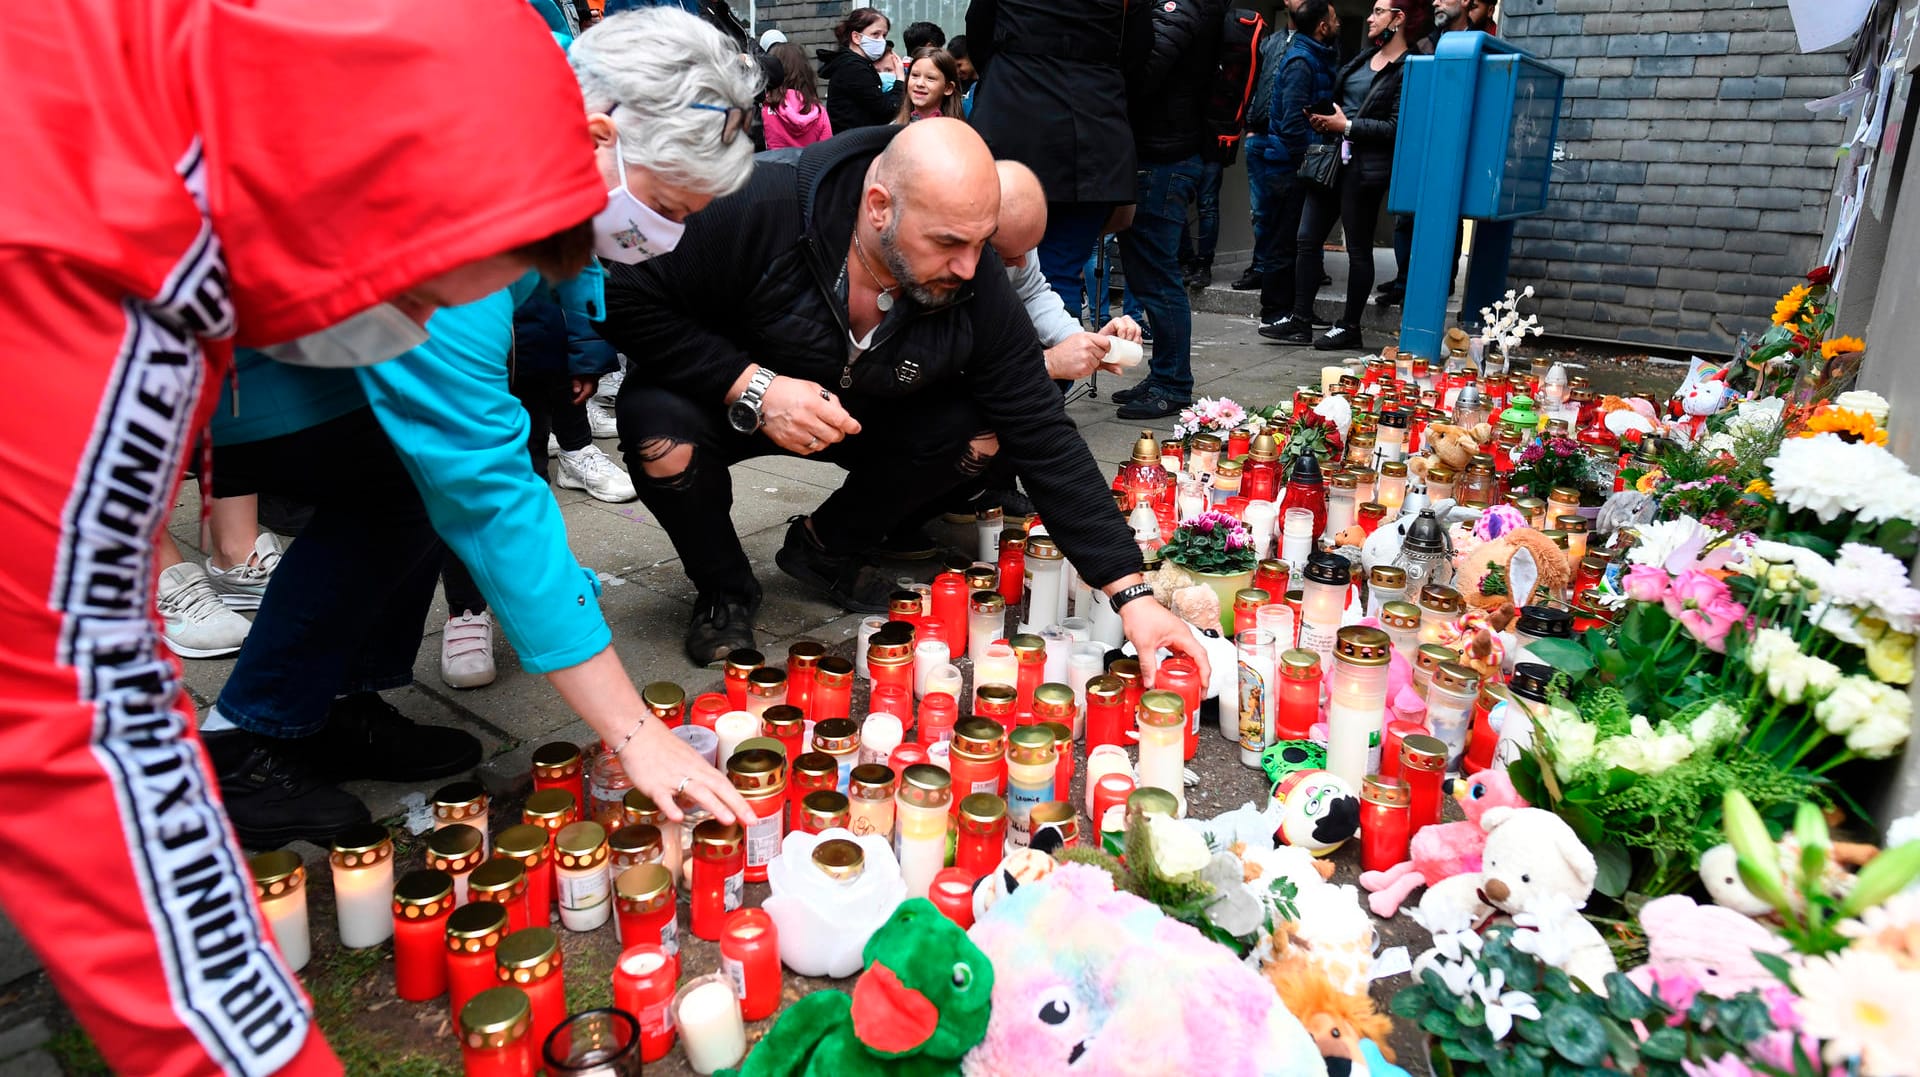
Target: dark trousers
{"x": 1278, "y": 291}
{"x": 1072, "y": 230}
{"x": 548, "y": 397}
{"x": 1149, "y": 252}
{"x": 348, "y": 603}
{"x": 1198, "y": 243}
{"x": 1267, "y": 185}
{"x": 1354, "y": 207}
{"x": 910, "y": 450}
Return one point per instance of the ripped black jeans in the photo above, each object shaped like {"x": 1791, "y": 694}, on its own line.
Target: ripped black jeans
{"x": 910, "y": 450}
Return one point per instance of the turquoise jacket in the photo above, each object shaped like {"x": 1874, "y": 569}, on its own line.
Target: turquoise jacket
{"x": 462, "y": 435}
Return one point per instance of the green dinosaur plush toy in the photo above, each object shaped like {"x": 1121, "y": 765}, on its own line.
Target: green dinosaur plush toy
{"x": 920, "y": 1005}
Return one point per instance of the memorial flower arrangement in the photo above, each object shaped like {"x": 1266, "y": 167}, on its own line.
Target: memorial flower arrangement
{"x": 1553, "y": 461}
{"x": 1504, "y": 327}
{"x": 1209, "y": 415}
{"x": 1796, "y": 357}
{"x": 1212, "y": 542}
{"x": 1313, "y": 433}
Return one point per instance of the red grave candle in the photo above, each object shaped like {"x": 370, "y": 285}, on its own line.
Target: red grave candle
{"x": 1297, "y": 706}
{"x": 906, "y": 755}
{"x": 1272, "y": 576}
{"x": 740, "y": 666}
{"x": 1128, "y": 672}
{"x": 1238, "y": 441}
{"x": 422, "y": 901}
{"x": 502, "y": 881}
{"x": 952, "y": 893}
{"x": 1384, "y": 823}
{"x": 802, "y": 659}
{"x": 496, "y": 1034}
{"x": 1482, "y": 740}
{"x": 1397, "y": 731}
{"x": 531, "y": 845}
{"x": 786, "y": 723}
{"x": 812, "y": 773}
{"x": 1422, "y": 759}
{"x": 644, "y": 900}
{"x": 718, "y": 876}
{"x": 832, "y": 689}
{"x": 530, "y": 961}
{"x": 950, "y": 609}
{"x": 977, "y": 759}
{"x": 996, "y": 702}
{"x": 981, "y": 834}
{"x": 1181, "y": 676}
{"x": 1030, "y": 656}
{"x": 559, "y": 765}
{"x": 1013, "y": 566}
{"x": 666, "y": 703}
{"x": 1106, "y": 712}
{"x": 643, "y": 984}
{"x": 938, "y": 713}
{"x": 893, "y": 699}
{"x": 1111, "y": 791}
{"x": 750, "y": 956}
{"x": 473, "y": 932}
{"x": 709, "y": 706}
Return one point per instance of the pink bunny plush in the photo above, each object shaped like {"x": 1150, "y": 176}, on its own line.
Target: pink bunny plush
{"x": 1443, "y": 851}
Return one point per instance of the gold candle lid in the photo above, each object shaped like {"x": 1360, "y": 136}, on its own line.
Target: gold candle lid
{"x": 637, "y": 841}
{"x": 983, "y": 809}
{"x": 1052, "y": 812}
{"x": 998, "y": 696}
{"x": 1431, "y": 655}
{"x": 744, "y": 661}
{"x": 714, "y": 839}
{"x": 1401, "y": 615}
{"x": 805, "y": 654}
{"x": 817, "y": 765}
{"x": 981, "y": 582}
{"x": 1205, "y": 442}
{"x": 1054, "y": 701}
{"x": 1388, "y": 792}
{"x": 1361, "y": 646}
{"x": 1127, "y": 669}
{"x": 1026, "y": 645}
{"x": 1299, "y": 665}
{"x": 277, "y": 873}
{"x": 926, "y": 786}
{"x": 766, "y": 682}
{"x": 753, "y": 769}
{"x": 556, "y": 759}
{"x": 664, "y": 698}
{"x": 551, "y": 808}
{"x": 1062, "y": 735}
{"x": 1530, "y": 506}
{"x": 1042, "y": 548}
{"x": 883, "y": 650}
{"x": 580, "y": 846}
{"x": 1250, "y": 598}
{"x": 825, "y": 808}
{"x": 476, "y": 926}
{"x": 526, "y": 955}
{"x": 638, "y": 807}
{"x": 836, "y": 736}
{"x": 1565, "y": 493}
{"x": 839, "y": 859}
{"x": 524, "y": 842}
{"x": 499, "y": 879}
{"x": 1161, "y": 708}
{"x": 1149, "y": 800}
{"x": 1457, "y": 678}
{"x": 459, "y": 801}
{"x": 870, "y": 781}
{"x": 361, "y": 845}
{"x": 1557, "y": 537}
{"x": 1389, "y": 576}
{"x": 833, "y": 672}
{"x": 1572, "y": 525}
{"x": 644, "y": 885}
{"x": 784, "y": 720}
{"x": 763, "y": 744}
{"x": 495, "y": 1018}
{"x": 422, "y": 894}
{"x": 1394, "y": 469}
{"x": 978, "y": 737}
{"x": 1031, "y": 744}
{"x": 1227, "y": 469}
{"x": 1440, "y": 598}
{"x": 454, "y": 848}
{"x": 1421, "y": 752}
{"x": 1263, "y": 448}
{"x": 1106, "y": 688}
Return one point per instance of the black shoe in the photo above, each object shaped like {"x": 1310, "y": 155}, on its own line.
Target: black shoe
{"x": 1287, "y": 330}
{"x": 1248, "y": 281}
{"x": 273, "y": 797}
{"x": 1151, "y": 405}
{"x": 1128, "y": 396}
{"x": 1146, "y": 329}
{"x": 720, "y": 626}
{"x": 1199, "y": 275}
{"x": 1339, "y": 338}
{"x": 366, "y": 737}
{"x": 1394, "y": 285}
{"x": 851, "y": 582}
{"x": 1389, "y": 299}
{"x": 1326, "y": 280}
{"x": 908, "y": 542}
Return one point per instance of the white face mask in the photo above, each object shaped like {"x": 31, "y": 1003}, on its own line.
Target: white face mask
{"x": 374, "y": 335}
{"x": 628, "y": 230}
{"x": 873, "y": 47}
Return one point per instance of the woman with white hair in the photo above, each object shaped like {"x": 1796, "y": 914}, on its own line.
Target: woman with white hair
{"x": 665, "y": 99}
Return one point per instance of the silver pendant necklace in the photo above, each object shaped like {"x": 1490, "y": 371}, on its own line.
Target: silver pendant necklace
{"x": 883, "y": 301}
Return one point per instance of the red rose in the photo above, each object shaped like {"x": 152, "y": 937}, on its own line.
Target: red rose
{"x": 1820, "y": 276}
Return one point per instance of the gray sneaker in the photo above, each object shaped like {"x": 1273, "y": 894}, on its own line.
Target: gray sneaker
{"x": 241, "y": 586}
{"x": 198, "y": 624}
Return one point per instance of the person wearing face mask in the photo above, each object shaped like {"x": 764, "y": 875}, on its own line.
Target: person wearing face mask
{"x": 214, "y": 202}
{"x": 859, "y": 94}
{"x": 435, "y": 441}
{"x": 1364, "y": 113}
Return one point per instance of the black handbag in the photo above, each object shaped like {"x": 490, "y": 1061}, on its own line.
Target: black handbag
{"x": 1321, "y": 166}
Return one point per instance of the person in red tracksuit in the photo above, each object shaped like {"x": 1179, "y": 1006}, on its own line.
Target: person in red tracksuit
{"x": 182, "y": 176}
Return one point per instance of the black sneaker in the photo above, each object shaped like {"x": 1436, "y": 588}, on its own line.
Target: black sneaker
{"x": 1248, "y": 281}
{"x": 1339, "y": 338}
{"x": 1199, "y": 275}
{"x": 273, "y": 797}
{"x": 1287, "y": 329}
{"x": 1153, "y": 405}
{"x": 366, "y": 737}
{"x": 1128, "y": 396}
{"x": 720, "y": 626}
{"x": 851, "y": 582}
{"x": 908, "y": 542}
{"x": 1389, "y": 299}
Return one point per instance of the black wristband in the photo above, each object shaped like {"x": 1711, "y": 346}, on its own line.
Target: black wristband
{"x": 1128, "y": 594}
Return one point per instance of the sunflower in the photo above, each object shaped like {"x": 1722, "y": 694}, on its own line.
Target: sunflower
{"x": 1760, "y": 488}
{"x": 1841, "y": 346}
{"x": 1852, "y": 426}
{"x": 1789, "y": 307}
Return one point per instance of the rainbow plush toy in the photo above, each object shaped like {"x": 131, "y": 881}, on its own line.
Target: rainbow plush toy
{"x": 1105, "y": 983}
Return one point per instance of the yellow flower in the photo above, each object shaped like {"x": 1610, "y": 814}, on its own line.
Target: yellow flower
{"x": 1841, "y": 346}
{"x": 1649, "y": 480}
{"x": 1889, "y": 653}
{"x": 1850, "y": 425}
{"x": 1788, "y": 308}
{"x": 1761, "y": 488}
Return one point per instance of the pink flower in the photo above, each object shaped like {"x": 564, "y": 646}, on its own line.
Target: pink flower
{"x": 1693, "y": 589}
{"x": 1646, "y": 583}
{"x": 1727, "y": 1065}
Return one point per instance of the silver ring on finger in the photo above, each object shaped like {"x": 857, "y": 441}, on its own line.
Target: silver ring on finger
{"x": 681, "y": 789}
{"x": 813, "y": 443}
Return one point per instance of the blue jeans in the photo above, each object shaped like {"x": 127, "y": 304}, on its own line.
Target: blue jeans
{"x": 1072, "y": 230}
{"x": 1100, "y": 307}
{"x": 1149, "y": 252}
{"x": 348, "y": 602}
{"x": 1199, "y": 245}
{"x": 1267, "y": 186}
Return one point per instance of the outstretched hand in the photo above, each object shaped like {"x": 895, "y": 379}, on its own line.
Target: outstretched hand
{"x": 1150, "y": 627}
{"x": 667, "y": 769}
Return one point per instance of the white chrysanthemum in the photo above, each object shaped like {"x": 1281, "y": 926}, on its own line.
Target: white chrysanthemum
{"x": 1807, "y": 564}
{"x": 1718, "y": 443}
{"x": 1865, "y": 401}
{"x": 1858, "y": 699}
{"x": 1660, "y": 539}
{"x": 1829, "y": 477}
{"x": 1856, "y": 1002}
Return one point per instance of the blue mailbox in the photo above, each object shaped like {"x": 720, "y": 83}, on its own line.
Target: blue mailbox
{"x": 1478, "y": 121}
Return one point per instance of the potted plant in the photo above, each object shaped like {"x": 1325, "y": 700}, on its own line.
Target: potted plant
{"x": 1215, "y": 549}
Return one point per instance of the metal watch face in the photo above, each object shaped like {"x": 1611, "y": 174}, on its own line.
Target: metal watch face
{"x": 743, "y": 417}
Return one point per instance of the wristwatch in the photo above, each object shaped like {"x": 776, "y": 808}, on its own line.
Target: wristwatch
{"x": 1127, "y": 594}
{"x": 744, "y": 414}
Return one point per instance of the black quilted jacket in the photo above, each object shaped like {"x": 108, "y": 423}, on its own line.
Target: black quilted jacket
{"x": 750, "y": 283}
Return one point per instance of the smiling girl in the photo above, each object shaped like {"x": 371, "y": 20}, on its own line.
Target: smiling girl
{"x": 933, "y": 87}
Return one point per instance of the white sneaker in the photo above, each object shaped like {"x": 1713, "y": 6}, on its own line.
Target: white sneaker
{"x": 609, "y": 388}
{"x": 466, "y": 650}
{"x": 198, "y": 624}
{"x": 553, "y": 446}
{"x": 600, "y": 420}
{"x": 241, "y": 586}
{"x": 589, "y": 469}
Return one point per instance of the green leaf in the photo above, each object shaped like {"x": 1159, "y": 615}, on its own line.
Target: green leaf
{"x": 1812, "y": 542}
{"x": 1562, "y": 654}
{"x": 1461, "y": 1051}
{"x": 1624, "y": 1051}
{"x": 1576, "y": 1034}
{"x": 1666, "y": 1044}
{"x": 1616, "y": 868}
{"x": 1409, "y": 1003}
{"x": 1524, "y": 773}
{"x": 1612, "y": 663}
{"x": 1625, "y": 1000}
{"x": 1470, "y": 1012}
{"x": 1775, "y": 964}
{"x": 1440, "y": 1023}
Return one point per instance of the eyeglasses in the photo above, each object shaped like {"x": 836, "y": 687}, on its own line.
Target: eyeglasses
{"x": 735, "y": 122}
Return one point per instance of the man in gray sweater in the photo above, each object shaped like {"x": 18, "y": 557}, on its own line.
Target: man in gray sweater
{"x": 1072, "y": 352}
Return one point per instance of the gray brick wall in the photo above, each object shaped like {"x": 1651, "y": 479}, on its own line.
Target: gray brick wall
{"x": 1695, "y": 185}
{"x": 807, "y": 23}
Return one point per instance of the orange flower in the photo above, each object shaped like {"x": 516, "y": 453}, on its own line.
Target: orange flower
{"x": 1789, "y": 306}
{"x": 1850, "y": 425}
{"x": 1842, "y": 346}
{"x": 1760, "y": 488}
